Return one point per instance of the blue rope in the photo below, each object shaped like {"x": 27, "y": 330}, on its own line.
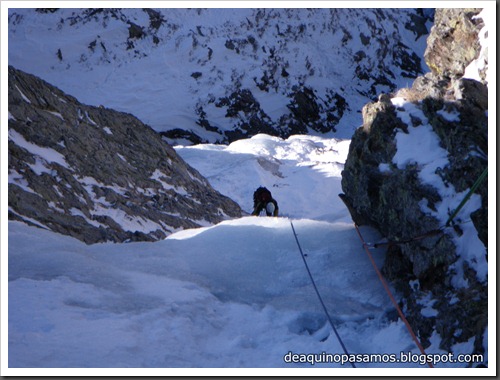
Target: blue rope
{"x": 319, "y": 296}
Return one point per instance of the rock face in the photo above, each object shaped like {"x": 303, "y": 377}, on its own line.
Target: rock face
{"x": 454, "y": 41}
{"x": 398, "y": 201}
{"x": 97, "y": 174}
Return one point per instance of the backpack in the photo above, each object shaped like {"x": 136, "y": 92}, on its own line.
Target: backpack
{"x": 262, "y": 195}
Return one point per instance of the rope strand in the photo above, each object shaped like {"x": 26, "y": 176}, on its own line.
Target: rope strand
{"x": 319, "y": 296}
{"x": 393, "y": 300}
{"x": 467, "y": 197}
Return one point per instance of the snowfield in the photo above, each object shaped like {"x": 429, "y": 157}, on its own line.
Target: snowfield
{"x": 234, "y": 295}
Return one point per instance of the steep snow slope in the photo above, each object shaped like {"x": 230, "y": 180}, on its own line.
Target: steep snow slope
{"x": 224, "y": 74}
{"x": 302, "y": 172}
{"x": 233, "y": 295}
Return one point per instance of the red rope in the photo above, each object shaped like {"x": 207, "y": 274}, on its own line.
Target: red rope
{"x": 393, "y": 300}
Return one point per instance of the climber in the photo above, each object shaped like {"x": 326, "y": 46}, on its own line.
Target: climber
{"x": 263, "y": 200}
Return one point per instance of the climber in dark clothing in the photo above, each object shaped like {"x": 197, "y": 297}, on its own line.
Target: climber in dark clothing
{"x": 263, "y": 200}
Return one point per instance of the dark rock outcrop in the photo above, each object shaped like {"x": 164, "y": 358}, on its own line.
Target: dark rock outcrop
{"x": 430, "y": 270}
{"x": 98, "y": 174}
{"x": 249, "y": 118}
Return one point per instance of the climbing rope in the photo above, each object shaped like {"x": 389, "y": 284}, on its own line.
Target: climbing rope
{"x": 319, "y": 295}
{"x": 437, "y": 231}
{"x": 467, "y": 197}
{"x": 385, "y": 242}
{"x": 393, "y": 300}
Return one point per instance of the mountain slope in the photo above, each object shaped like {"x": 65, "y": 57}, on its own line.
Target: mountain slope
{"x": 218, "y": 75}
{"x": 237, "y": 294}
{"x": 98, "y": 174}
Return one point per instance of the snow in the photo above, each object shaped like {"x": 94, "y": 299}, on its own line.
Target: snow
{"x": 112, "y": 75}
{"x": 450, "y": 116}
{"x": 420, "y": 139}
{"x": 428, "y": 310}
{"x": 230, "y": 295}
{"x": 472, "y": 71}
{"x": 77, "y": 212}
{"x": 56, "y": 114}
{"x": 384, "y": 168}
{"x": 309, "y": 163}
{"x": 234, "y": 295}
{"x": 194, "y": 301}
{"x": 46, "y": 155}
{"x": 25, "y": 98}
{"x": 429, "y": 159}
{"x": 89, "y": 119}
{"x": 158, "y": 175}
{"x": 19, "y": 180}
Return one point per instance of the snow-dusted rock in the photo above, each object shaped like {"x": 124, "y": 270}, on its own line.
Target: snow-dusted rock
{"x": 409, "y": 167}
{"x": 98, "y": 174}
{"x": 453, "y": 42}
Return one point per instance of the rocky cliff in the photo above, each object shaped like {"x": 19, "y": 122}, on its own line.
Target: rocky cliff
{"x": 414, "y": 159}
{"x": 98, "y": 174}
